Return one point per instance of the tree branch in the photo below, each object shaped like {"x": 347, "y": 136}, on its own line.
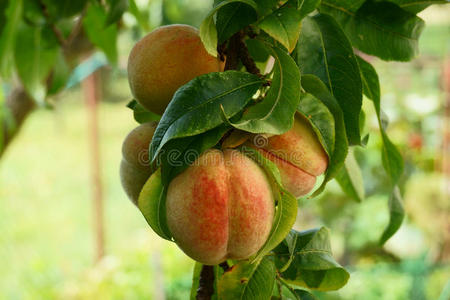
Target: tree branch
{"x": 247, "y": 60}
{"x": 206, "y": 283}
{"x": 232, "y": 52}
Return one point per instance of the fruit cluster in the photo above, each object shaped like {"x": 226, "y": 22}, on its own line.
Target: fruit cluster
{"x": 221, "y": 206}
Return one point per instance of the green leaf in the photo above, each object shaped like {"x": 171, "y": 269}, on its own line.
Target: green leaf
{"x": 396, "y": 215}
{"x": 232, "y": 18}
{"x": 283, "y": 25}
{"x": 8, "y": 36}
{"x": 208, "y": 31}
{"x": 195, "y": 280}
{"x": 180, "y": 153}
{"x": 198, "y": 106}
{"x": 275, "y": 113}
{"x": 304, "y": 295}
{"x": 140, "y": 17}
{"x": 286, "y": 211}
{"x": 116, "y": 10}
{"x": 58, "y": 9}
{"x": 308, "y": 6}
{"x": 312, "y": 265}
{"x": 321, "y": 119}
{"x": 415, "y": 6}
{"x": 391, "y": 157}
{"x": 350, "y": 178}
{"x": 35, "y": 55}
{"x": 104, "y": 38}
{"x": 324, "y": 50}
{"x": 379, "y": 28}
{"x": 60, "y": 74}
{"x": 142, "y": 115}
{"x": 248, "y": 281}
{"x": 317, "y": 88}
{"x": 151, "y": 203}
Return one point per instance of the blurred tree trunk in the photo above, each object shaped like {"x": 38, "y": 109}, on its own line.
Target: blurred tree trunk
{"x": 91, "y": 89}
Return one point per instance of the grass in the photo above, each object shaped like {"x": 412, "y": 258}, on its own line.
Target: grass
{"x": 46, "y": 225}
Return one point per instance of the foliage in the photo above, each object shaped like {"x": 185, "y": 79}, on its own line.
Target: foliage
{"x": 316, "y": 73}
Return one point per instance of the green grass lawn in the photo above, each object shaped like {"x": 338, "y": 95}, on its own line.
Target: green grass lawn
{"x": 46, "y": 226}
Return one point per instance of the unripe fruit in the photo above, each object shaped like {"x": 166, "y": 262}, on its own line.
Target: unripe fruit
{"x": 298, "y": 155}
{"x": 134, "y": 167}
{"x": 133, "y": 179}
{"x": 221, "y": 207}
{"x": 136, "y": 144}
{"x": 164, "y": 60}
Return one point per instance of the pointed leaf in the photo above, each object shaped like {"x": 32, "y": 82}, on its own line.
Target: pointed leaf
{"x": 391, "y": 157}
{"x": 321, "y": 119}
{"x": 116, "y": 10}
{"x": 313, "y": 265}
{"x": 247, "y": 281}
{"x": 8, "y": 36}
{"x": 208, "y": 31}
{"x": 317, "y": 88}
{"x": 324, "y": 50}
{"x": 396, "y": 215}
{"x": 35, "y": 55}
{"x": 197, "y": 106}
{"x": 382, "y": 29}
{"x": 151, "y": 203}
{"x": 104, "y": 38}
{"x": 308, "y": 6}
{"x": 350, "y": 178}
{"x": 142, "y": 115}
{"x": 286, "y": 211}
{"x": 178, "y": 154}
{"x": 415, "y": 6}
{"x": 232, "y": 18}
{"x": 283, "y": 25}
{"x": 275, "y": 113}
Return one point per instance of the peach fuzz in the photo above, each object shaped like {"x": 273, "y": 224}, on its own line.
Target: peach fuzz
{"x": 298, "y": 155}
{"x": 164, "y": 60}
{"x": 221, "y": 207}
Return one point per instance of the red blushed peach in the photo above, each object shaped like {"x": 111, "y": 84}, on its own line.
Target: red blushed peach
{"x": 221, "y": 207}
{"x": 298, "y": 155}
{"x": 164, "y": 60}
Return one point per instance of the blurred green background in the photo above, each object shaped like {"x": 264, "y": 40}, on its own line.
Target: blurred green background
{"x": 46, "y": 212}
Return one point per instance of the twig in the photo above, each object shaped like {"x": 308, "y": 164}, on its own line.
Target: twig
{"x": 232, "y": 52}
{"x": 206, "y": 283}
{"x": 76, "y": 29}
{"x": 247, "y": 60}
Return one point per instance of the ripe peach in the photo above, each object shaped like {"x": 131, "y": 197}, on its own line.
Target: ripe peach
{"x": 298, "y": 155}
{"x": 134, "y": 168}
{"x": 221, "y": 207}
{"x": 164, "y": 60}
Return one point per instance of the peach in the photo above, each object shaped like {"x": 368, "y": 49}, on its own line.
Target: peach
{"x": 135, "y": 168}
{"x": 298, "y": 155}
{"x": 164, "y": 60}
{"x": 221, "y": 207}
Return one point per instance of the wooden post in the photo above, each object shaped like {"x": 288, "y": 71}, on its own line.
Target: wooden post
{"x": 92, "y": 96}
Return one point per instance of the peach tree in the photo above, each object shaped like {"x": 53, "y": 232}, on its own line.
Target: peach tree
{"x": 233, "y": 149}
